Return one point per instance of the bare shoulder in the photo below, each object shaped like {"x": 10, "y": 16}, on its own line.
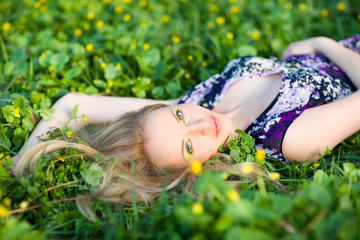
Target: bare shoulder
{"x": 320, "y": 127}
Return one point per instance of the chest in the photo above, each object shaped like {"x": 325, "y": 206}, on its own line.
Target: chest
{"x": 249, "y": 97}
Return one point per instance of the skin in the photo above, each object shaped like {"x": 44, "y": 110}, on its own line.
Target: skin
{"x": 306, "y": 138}
{"x": 177, "y": 135}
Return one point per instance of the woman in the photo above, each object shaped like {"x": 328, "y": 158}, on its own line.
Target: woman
{"x": 294, "y": 109}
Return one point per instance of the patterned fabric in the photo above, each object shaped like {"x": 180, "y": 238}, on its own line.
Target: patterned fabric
{"x": 307, "y": 81}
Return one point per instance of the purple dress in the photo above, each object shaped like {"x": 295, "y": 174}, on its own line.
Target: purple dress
{"x": 307, "y": 81}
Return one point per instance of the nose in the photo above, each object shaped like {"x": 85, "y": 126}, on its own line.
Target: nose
{"x": 201, "y": 126}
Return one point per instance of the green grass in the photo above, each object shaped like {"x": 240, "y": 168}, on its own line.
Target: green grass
{"x": 161, "y": 49}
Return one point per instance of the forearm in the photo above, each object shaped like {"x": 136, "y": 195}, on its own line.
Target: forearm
{"x": 346, "y": 59}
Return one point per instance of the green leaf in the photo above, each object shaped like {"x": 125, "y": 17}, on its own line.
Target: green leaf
{"x": 93, "y": 174}
{"x": 46, "y": 114}
{"x": 47, "y": 82}
{"x": 3, "y": 172}
{"x": 5, "y": 142}
{"x": 73, "y": 72}
{"x": 247, "y": 50}
{"x": 27, "y": 125}
{"x": 348, "y": 168}
{"x": 45, "y": 57}
{"x": 37, "y": 97}
{"x": 99, "y": 83}
{"x": 111, "y": 72}
{"x": 158, "y": 91}
{"x": 172, "y": 89}
{"x": 7, "y": 112}
{"x": 321, "y": 177}
{"x": 58, "y": 61}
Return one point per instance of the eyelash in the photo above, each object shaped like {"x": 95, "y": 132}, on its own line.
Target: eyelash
{"x": 188, "y": 145}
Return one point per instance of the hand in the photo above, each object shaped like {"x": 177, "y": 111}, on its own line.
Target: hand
{"x": 302, "y": 47}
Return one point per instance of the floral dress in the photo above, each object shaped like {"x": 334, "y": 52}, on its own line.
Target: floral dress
{"x": 307, "y": 81}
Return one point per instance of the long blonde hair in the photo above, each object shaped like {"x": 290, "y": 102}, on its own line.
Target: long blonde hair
{"x": 129, "y": 175}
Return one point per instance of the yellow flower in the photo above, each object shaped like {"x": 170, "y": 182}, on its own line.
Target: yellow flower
{"x": 214, "y": 8}
{"x": 220, "y": 20}
{"x": 260, "y": 155}
{"x": 316, "y": 165}
{"x": 17, "y": 112}
{"x": 3, "y": 211}
{"x": 118, "y": 67}
{"x": 58, "y": 156}
{"x": 197, "y": 208}
{"x": 118, "y": 9}
{"x": 37, "y": 4}
{"x": 232, "y": 1}
{"x": 89, "y": 47}
{"x": 324, "y": 13}
{"x": 232, "y": 195}
{"x": 91, "y": 15}
{"x": 85, "y": 119}
{"x": 24, "y": 204}
{"x": 187, "y": 75}
{"x": 143, "y": 3}
{"x": 175, "y": 39}
{"x": 43, "y": 1}
{"x": 6, "y": 26}
{"x": 190, "y": 58}
{"x": 146, "y": 46}
{"x": 7, "y": 202}
{"x": 288, "y": 6}
{"x": 106, "y": 1}
{"x": 165, "y": 18}
{"x": 127, "y": 17}
{"x": 69, "y": 133}
{"x": 274, "y": 176}
{"x": 235, "y": 9}
{"x": 230, "y": 36}
{"x": 297, "y": 168}
{"x": 196, "y": 167}
{"x": 127, "y": 1}
{"x": 255, "y": 35}
{"x": 133, "y": 46}
{"x": 204, "y": 64}
{"x": 247, "y": 168}
{"x": 100, "y": 24}
{"x": 103, "y": 65}
{"x": 78, "y": 32}
{"x": 302, "y": 6}
{"x": 340, "y": 6}
{"x": 86, "y": 26}
{"x": 110, "y": 84}
{"x": 43, "y": 9}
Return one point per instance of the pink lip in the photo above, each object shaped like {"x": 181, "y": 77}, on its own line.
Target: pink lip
{"x": 217, "y": 125}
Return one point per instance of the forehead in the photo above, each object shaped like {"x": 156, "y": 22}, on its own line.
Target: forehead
{"x": 163, "y": 141}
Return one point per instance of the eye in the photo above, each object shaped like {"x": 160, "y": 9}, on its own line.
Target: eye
{"x": 188, "y": 147}
{"x": 179, "y": 115}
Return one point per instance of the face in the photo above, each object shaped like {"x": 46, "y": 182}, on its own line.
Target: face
{"x": 177, "y": 135}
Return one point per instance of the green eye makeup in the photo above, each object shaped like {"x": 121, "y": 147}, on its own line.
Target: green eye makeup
{"x": 188, "y": 148}
{"x": 179, "y": 115}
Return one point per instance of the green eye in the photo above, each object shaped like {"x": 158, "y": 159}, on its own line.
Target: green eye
{"x": 179, "y": 115}
{"x": 188, "y": 147}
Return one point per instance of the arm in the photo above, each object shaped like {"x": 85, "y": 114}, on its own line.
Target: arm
{"x": 346, "y": 59}
{"x": 97, "y": 109}
{"x": 321, "y": 126}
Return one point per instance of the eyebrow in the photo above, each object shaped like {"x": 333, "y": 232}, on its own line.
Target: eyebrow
{"x": 182, "y": 141}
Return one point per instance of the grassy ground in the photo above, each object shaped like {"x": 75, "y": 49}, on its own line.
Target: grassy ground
{"x": 160, "y": 49}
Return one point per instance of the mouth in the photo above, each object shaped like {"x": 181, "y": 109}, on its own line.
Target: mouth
{"x": 217, "y": 125}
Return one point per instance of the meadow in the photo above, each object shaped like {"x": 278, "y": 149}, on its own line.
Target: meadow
{"x": 160, "y": 49}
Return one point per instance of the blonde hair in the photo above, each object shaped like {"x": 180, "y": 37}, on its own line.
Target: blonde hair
{"x": 130, "y": 174}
